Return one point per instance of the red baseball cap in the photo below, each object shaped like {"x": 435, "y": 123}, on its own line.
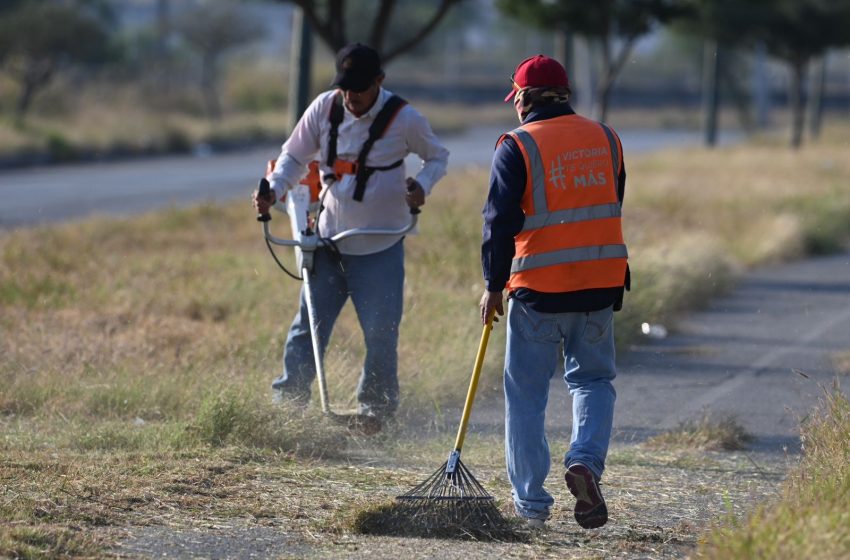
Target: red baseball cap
{"x": 538, "y": 71}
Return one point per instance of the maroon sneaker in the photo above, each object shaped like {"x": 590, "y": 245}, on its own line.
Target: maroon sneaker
{"x": 590, "y": 511}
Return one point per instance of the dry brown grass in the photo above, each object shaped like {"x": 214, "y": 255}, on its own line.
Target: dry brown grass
{"x": 151, "y": 501}
{"x": 137, "y": 354}
{"x": 842, "y": 363}
{"x": 810, "y": 519}
{"x": 707, "y": 433}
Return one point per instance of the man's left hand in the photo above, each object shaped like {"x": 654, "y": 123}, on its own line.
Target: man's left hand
{"x": 415, "y": 195}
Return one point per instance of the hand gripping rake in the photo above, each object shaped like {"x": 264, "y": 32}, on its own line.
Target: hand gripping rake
{"x": 451, "y": 500}
{"x": 306, "y": 241}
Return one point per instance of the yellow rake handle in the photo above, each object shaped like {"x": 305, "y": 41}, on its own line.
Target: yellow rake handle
{"x": 473, "y": 383}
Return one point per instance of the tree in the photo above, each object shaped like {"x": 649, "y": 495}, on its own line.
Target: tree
{"x": 798, "y": 31}
{"x": 40, "y": 37}
{"x": 329, "y": 21}
{"x": 723, "y": 26}
{"x": 212, "y": 30}
{"x": 602, "y": 21}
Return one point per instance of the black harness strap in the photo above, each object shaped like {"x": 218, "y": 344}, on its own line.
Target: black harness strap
{"x": 335, "y": 119}
{"x": 382, "y": 122}
{"x": 379, "y": 126}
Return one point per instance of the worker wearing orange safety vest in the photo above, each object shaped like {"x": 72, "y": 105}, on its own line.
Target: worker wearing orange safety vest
{"x": 553, "y": 239}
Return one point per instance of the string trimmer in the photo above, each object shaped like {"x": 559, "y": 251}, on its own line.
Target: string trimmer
{"x": 305, "y": 241}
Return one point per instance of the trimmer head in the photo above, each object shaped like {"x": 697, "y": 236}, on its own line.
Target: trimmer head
{"x": 361, "y": 424}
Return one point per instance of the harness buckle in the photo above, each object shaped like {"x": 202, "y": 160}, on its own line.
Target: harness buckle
{"x": 343, "y": 167}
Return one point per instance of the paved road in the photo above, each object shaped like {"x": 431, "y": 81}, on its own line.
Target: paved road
{"x": 65, "y": 192}
{"x": 762, "y": 354}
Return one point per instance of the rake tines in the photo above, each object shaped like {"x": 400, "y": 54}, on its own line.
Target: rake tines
{"x": 453, "y": 504}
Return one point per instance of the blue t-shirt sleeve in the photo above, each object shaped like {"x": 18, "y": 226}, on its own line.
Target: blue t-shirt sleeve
{"x": 503, "y": 216}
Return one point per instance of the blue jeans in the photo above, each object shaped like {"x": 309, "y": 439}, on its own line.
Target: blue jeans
{"x": 530, "y": 362}
{"x": 375, "y": 284}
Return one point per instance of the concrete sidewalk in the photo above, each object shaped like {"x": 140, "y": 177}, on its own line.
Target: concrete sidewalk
{"x": 762, "y": 354}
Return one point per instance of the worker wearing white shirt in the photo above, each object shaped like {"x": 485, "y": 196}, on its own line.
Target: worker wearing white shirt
{"x": 369, "y": 269}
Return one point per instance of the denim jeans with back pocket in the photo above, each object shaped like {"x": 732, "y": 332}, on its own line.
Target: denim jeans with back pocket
{"x": 531, "y": 359}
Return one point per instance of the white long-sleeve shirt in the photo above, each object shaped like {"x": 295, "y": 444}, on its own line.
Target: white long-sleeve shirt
{"x": 383, "y": 204}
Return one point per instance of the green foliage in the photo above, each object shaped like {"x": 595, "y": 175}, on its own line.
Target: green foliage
{"x": 222, "y": 415}
{"x": 37, "y": 39}
{"x": 729, "y": 21}
{"x": 231, "y": 417}
{"x": 592, "y": 19}
{"x": 212, "y": 30}
{"x": 44, "y": 542}
{"x": 800, "y": 29}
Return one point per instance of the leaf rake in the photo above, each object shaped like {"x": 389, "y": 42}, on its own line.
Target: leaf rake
{"x": 451, "y": 502}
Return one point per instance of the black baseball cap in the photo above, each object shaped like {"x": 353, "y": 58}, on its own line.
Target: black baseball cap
{"x": 357, "y": 66}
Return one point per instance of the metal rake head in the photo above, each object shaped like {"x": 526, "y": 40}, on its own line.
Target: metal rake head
{"x": 453, "y": 505}
{"x": 450, "y": 504}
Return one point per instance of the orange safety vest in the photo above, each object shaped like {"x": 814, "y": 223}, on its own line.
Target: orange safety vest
{"x": 572, "y": 238}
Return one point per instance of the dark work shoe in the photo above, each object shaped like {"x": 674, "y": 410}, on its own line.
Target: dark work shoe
{"x": 590, "y": 511}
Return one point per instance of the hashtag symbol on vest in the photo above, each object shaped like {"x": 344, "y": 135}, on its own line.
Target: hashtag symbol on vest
{"x": 556, "y": 174}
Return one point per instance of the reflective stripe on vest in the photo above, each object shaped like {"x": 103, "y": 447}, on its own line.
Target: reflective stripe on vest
{"x": 566, "y": 256}
{"x": 538, "y": 173}
{"x": 571, "y": 237}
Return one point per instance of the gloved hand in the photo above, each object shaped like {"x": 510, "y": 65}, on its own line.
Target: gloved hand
{"x": 263, "y": 204}
{"x": 415, "y": 195}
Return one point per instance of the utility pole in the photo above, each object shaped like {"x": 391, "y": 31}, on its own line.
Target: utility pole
{"x": 299, "y": 67}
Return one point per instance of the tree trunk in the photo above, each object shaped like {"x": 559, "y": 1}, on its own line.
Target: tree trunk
{"x": 816, "y": 96}
{"x": 797, "y": 94}
{"x": 34, "y": 77}
{"x": 163, "y": 48}
{"x": 564, "y": 51}
{"x": 209, "y": 84}
{"x": 761, "y": 87}
{"x": 22, "y": 106}
{"x": 611, "y": 67}
{"x": 710, "y": 91}
{"x": 583, "y": 81}
{"x": 299, "y": 67}
{"x": 603, "y": 90}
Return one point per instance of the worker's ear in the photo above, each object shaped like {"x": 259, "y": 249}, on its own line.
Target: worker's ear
{"x": 380, "y": 79}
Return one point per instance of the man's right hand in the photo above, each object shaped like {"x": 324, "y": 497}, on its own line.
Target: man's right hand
{"x": 263, "y": 204}
{"x": 491, "y": 302}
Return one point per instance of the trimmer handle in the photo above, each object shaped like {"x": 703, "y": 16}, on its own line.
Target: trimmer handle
{"x": 263, "y": 191}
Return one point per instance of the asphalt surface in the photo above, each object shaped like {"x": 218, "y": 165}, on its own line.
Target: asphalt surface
{"x": 762, "y": 355}
{"x": 51, "y": 194}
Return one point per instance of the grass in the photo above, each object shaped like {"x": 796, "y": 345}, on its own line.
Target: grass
{"x": 147, "y": 317}
{"x": 842, "y": 363}
{"x": 135, "y": 359}
{"x": 707, "y": 433}
{"x": 811, "y": 518}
